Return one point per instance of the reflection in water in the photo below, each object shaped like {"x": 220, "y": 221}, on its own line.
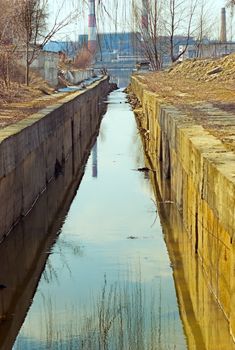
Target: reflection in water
{"x": 124, "y": 315}
{"x": 204, "y": 322}
{"x": 95, "y": 160}
{"x": 135, "y": 306}
{"x": 25, "y": 251}
{"x": 120, "y": 76}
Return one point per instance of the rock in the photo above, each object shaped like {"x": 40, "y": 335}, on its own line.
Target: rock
{"x": 215, "y": 70}
{"x": 112, "y": 87}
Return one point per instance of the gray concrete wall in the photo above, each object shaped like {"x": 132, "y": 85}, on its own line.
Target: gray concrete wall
{"x": 31, "y": 148}
{"x": 21, "y": 271}
{"x": 46, "y": 63}
{"x": 77, "y": 76}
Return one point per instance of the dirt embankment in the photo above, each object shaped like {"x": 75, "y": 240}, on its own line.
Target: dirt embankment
{"x": 18, "y": 101}
{"x": 204, "y": 89}
{"x": 194, "y": 81}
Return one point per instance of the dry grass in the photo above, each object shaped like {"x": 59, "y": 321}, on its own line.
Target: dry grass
{"x": 197, "y": 87}
{"x": 192, "y": 81}
{"x": 19, "y": 101}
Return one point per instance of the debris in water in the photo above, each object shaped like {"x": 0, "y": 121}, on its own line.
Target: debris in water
{"x": 144, "y": 169}
{"x": 132, "y": 237}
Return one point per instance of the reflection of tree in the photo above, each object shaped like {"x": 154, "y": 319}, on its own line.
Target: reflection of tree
{"x": 50, "y": 274}
{"x": 125, "y": 315}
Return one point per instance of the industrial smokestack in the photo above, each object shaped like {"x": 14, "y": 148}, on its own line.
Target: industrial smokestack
{"x": 144, "y": 17}
{"x": 223, "y": 34}
{"x": 92, "y": 27}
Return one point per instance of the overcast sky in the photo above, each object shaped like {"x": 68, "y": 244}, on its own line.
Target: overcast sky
{"x": 119, "y": 20}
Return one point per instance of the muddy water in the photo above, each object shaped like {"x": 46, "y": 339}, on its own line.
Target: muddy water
{"x": 108, "y": 281}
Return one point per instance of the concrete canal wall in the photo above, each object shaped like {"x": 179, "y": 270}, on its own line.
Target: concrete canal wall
{"x": 34, "y": 151}
{"x": 201, "y": 174}
{"x": 23, "y": 254}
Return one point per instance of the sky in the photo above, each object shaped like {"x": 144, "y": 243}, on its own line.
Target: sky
{"x": 119, "y": 20}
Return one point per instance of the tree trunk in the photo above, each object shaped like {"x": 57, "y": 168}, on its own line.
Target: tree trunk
{"x": 27, "y": 65}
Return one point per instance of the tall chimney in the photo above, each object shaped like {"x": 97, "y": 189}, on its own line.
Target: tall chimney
{"x": 144, "y": 17}
{"x": 92, "y": 27}
{"x": 223, "y": 34}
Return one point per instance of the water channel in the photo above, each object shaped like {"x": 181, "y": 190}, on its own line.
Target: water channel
{"x": 107, "y": 280}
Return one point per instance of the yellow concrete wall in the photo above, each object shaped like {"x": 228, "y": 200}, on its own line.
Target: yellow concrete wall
{"x": 201, "y": 173}
{"x": 30, "y": 148}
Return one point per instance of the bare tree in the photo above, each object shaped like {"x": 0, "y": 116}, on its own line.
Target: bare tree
{"x": 32, "y": 23}
{"x": 179, "y": 24}
{"x": 170, "y": 23}
{"x": 230, "y": 3}
{"x": 149, "y": 30}
{"x": 83, "y": 58}
{"x": 204, "y": 26}
{"x": 33, "y": 29}
{"x": 7, "y": 46}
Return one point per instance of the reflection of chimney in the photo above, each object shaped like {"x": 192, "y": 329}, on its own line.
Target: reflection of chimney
{"x": 223, "y": 36}
{"x": 95, "y": 160}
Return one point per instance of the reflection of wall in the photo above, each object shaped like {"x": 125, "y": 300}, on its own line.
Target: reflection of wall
{"x": 33, "y": 151}
{"x": 204, "y": 322}
{"x": 24, "y": 252}
{"x": 196, "y": 166}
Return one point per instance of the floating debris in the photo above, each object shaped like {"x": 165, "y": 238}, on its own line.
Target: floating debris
{"x": 144, "y": 169}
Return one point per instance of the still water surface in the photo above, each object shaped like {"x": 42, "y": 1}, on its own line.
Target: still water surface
{"x": 108, "y": 282}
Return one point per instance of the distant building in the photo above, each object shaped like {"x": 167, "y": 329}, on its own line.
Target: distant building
{"x": 207, "y": 49}
{"x": 68, "y": 47}
{"x": 129, "y": 47}
{"x": 109, "y": 45}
